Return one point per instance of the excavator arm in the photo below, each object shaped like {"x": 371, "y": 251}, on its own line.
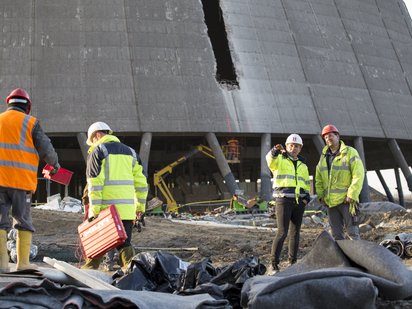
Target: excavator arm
{"x": 159, "y": 176}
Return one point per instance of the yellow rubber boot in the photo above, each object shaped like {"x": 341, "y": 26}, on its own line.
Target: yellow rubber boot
{"x": 126, "y": 255}
{"x": 92, "y": 263}
{"x": 23, "y": 250}
{"x": 4, "y": 255}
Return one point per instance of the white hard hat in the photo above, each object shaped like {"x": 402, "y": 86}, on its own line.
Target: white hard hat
{"x": 294, "y": 139}
{"x": 97, "y": 126}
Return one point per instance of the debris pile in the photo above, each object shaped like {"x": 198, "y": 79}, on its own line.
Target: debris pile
{"x": 11, "y": 246}
{"x": 67, "y": 204}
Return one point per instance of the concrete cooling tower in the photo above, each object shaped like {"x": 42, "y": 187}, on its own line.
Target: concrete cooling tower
{"x": 170, "y": 76}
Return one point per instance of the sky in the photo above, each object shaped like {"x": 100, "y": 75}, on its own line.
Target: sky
{"x": 409, "y": 5}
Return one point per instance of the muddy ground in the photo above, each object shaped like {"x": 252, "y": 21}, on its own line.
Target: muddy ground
{"x": 56, "y": 237}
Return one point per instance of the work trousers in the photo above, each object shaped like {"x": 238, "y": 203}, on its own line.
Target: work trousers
{"x": 340, "y": 218}
{"x": 20, "y": 202}
{"x": 289, "y": 215}
{"x": 128, "y": 226}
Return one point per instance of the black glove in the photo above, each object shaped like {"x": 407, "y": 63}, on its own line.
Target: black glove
{"x": 139, "y": 222}
{"x": 142, "y": 219}
{"x": 55, "y": 169}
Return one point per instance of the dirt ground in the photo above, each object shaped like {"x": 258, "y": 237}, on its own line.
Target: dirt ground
{"x": 56, "y": 237}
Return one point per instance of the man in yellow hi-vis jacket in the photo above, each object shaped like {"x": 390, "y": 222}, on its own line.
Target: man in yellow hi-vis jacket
{"x": 339, "y": 180}
{"x": 114, "y": 176}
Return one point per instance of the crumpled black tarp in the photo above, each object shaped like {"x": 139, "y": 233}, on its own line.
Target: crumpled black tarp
{"x": 341, "y": 274}
{"x": 47, "y": 294}
{"x": 162, "y": 271}
{"x": 159, "y": 271}
{"x": 227, "y": 282}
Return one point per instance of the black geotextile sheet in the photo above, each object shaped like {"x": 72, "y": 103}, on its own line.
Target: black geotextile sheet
{"x": 341, "y": 274}
{"x": 164, "y": 272}
{"x": 154, "y": 280}
{"x": 47, "y": 294}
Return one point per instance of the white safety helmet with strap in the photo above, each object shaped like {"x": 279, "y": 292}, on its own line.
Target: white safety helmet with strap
{"x": 294, "y": 139}
{"x": 97, "y": 126}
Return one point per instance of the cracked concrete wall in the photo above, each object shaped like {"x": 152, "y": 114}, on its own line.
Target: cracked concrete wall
{"x": 148, "y": 66}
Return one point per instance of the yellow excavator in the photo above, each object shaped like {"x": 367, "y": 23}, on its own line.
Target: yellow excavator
{"x": 238, "y": 202}
{"x": 159, "y": 176}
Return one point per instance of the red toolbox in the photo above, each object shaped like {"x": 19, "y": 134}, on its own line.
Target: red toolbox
{"x": 62, "y": 176}
{"x": 103, "y": 234}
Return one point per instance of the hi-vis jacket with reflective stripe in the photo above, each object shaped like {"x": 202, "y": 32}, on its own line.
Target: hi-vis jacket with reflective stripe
{"x": 115, "y": 176}
{"x": 289, "y": 181}
{"x": 18, "y": 156}
{"x": 345, "y": 177}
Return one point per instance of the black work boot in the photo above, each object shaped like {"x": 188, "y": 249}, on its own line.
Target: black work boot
{"x": 292, "y": 261}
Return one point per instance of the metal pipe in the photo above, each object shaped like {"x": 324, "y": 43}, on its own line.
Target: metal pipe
{"x": 47, "y": 187}
{"x": 144, "y": 151}
{"x": 385, "y": 186}
{"x": 84, "y": 148}
{"x": 265, "y": 177}
{"x": 400, "y": 160}
{"x": 222, "y": 163}
{"x": 364, "y": 195}
{"x": 399, "y": 187}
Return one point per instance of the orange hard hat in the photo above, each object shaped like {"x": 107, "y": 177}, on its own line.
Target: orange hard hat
{"x": 19, "y": 96}
{"x": 330, "y": 128}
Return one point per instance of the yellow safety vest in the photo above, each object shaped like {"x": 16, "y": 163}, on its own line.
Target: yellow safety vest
{"x": 287, "y": 176}
{"x": 120, "y": 182}
{"x": 345, "y": 177}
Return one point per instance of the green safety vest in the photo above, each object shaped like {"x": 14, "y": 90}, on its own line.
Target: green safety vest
{"x": 345, "y": 177}
{"x": 286, "y": 175}
{"x": 120, "y": 181}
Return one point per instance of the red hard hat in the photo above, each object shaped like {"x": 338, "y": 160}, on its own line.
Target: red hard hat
{"x": 19, "y": 95}
{"x": 330, "y": 128}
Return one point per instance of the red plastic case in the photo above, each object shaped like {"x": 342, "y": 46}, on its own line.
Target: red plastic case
{"x": 62, "y": 176}
{"x": 103, "y": 234}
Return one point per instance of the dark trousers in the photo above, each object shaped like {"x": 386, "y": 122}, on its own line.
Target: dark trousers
{"x": 289, "y": 215}
{"x": 128, "y": 226}
{"x": 19, "y": 201}
{"x": 340, "y": 219}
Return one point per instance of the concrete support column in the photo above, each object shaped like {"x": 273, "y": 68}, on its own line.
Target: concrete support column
{"x": 222, "y": 163}
{"x": 265, "y": 183}
{"x": 385, "y": 186}
{"x": 400, "y": 160}
{"x": 144, "y": 151}
{"x": 399, "y": 187}
{"x": 319, "y": 143}
{"x": 364, "y": 195}
{"x": 81, "y": 139}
